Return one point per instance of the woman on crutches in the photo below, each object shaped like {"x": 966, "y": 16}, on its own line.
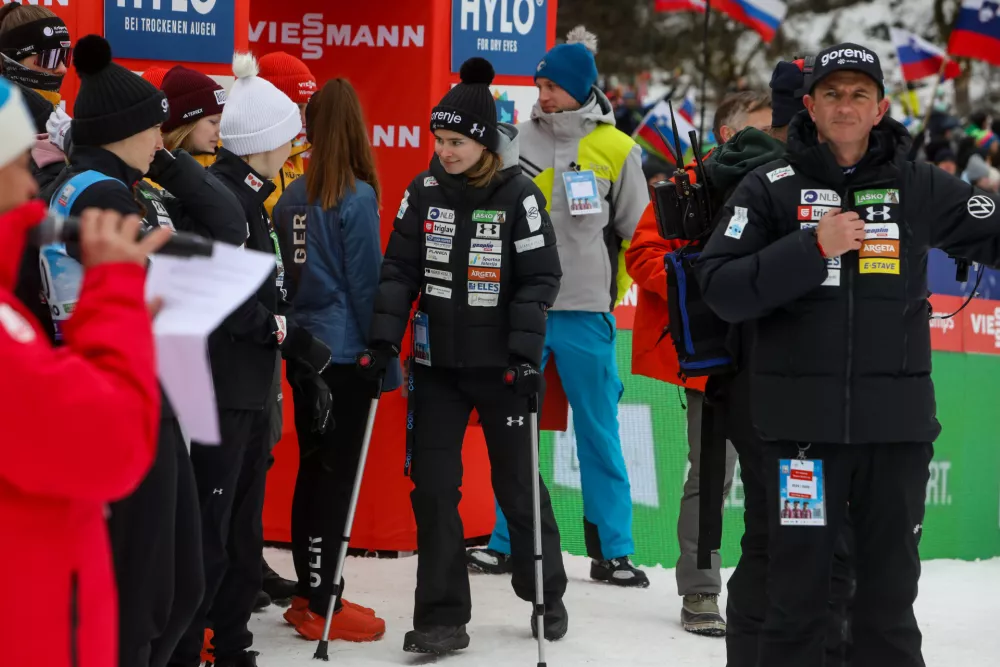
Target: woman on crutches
{"x": 332, "y": 254}
{"x": 473, "y": 240}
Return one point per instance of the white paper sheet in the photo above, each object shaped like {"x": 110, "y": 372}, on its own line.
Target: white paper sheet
{"x": 198, "y": 294}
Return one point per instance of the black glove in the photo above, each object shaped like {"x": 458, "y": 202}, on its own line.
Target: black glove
{"x": 162, "y": 161}
{"x": 300, "y": 345}
{"x": 523, "y": 377}
{"x": 309, "y": 390}
{"x": 373, "y": 362}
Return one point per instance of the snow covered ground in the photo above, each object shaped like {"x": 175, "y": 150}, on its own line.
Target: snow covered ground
{"x": 958, "y": 609}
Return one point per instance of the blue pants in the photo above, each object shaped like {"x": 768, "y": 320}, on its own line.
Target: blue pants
{"x": 583, "y": 345}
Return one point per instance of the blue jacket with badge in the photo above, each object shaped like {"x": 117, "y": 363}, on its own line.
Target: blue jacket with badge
{"x": 332, "y": 259}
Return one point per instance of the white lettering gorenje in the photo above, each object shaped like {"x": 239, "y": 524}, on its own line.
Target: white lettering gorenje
{"x": 446, "y": 117}
{"x": 315, "y": 34}
{"x": 858, "y": 54}
{"x": 509, "y": 20}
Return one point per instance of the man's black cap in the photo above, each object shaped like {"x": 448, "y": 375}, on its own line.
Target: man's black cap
{"x": 850, "y": 58}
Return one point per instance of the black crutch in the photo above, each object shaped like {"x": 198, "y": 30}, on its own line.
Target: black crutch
{"x": 536, "y": 500}
{"x": 345, "y": 540}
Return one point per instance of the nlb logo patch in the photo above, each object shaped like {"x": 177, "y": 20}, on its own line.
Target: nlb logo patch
{"x": 821, "y": 197}
{"x": 879, "y": 248}
{"x": 866, "y": 197}
{"x": 489, "y": 275}
{"x": 479, "y": 259}
{"x": 885, "y": 266}
{"x": 444, "y": 214}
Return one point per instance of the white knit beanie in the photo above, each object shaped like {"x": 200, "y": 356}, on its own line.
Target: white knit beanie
{"x": 17, "y": 129}
{"x": 257, "y": 117}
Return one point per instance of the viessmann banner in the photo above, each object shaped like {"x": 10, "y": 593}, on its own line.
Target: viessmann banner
{"x": 201, "y": 31}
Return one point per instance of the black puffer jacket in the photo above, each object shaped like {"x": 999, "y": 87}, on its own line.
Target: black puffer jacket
{"x": 483, "y": 261}
{"x": 842, "y": 352}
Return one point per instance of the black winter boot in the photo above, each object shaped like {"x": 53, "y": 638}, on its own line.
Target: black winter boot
{"x": 556, "y": 621}
{"x": 245, "y": 659}
{"x": 436, "y": 639}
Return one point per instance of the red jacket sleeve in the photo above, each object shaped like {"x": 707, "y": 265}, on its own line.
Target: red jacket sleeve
{"x": 644, "y": 258}
{"x": 81, "y": 421}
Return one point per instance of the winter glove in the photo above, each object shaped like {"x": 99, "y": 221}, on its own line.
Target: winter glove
{"x": 296, "y": 343}
{"x": 373, "y": 362}
{"x": 523, "y": 377}
{"x": 162, "y": 161}
{"x": 57, "y": 126}
{"x": 311, "y": 391}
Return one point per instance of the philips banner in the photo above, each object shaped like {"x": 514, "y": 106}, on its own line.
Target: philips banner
{"x": 511, "y": 34}
{"x": 174, "y": 30}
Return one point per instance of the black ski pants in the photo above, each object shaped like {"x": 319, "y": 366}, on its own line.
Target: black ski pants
{"x": 442, "y": 400}
{"x": 882, "y": 488}
{"x": 231, "y": 479}
{"x": 327, "y": 465}
{"x": 155, "y": 538}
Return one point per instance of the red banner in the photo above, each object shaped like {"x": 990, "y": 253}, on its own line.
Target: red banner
{"x": 946, "y": 334}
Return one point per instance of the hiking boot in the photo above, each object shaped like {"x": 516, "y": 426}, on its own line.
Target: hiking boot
{"x": 700, "y": 615}
{"x": 556, "y": 621}
{"x": 348, "y": 624}
{"x": 295, "y": 614}
{"x": 488, "y": 561}
{"x": 437, "y": 639}
{"x": 278, "y": 588}
{"x": 618, "y": 571}
{"x": 245, "y": 659}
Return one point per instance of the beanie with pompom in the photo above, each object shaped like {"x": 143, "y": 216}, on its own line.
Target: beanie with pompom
{"x": 113, "y": 103}
{"x": 469, "y": 108}
{"x": 258, "y": 117}
{"x": 571, "y": 66}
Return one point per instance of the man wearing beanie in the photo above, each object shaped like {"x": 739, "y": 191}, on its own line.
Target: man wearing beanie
{"x": 116, "y": 129}
{"x": 258, "y": 125}
{"x": 591, "y": 176}
{"x": 58, "y": 473}
{"x": 294, "y": 78}
{"x": 738, "y": 122}
{"x": 824, "y": 251}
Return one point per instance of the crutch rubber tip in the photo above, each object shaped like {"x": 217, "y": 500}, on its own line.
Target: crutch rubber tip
{"x": 322, "y": 651}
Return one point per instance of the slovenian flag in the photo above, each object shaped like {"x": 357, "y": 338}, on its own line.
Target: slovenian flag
{"x": 687, "y": 108}
{"x": 762, "y": 16}
{"x": 680, "y": 6}
{"x": 656, "y": 135}
{"x": 977, "y": 31}
{"x": 921, "y": 59}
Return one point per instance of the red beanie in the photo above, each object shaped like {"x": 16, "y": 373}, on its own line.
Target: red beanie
{"x": 192, "y": 95}
{"x": 289, "y": 75}
{"x": 155, "y": 75}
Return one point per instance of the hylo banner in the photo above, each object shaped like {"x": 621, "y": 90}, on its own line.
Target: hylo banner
{"x": 201, "y": 31}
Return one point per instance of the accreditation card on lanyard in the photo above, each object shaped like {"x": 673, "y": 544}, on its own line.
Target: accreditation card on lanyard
{"x": 582, "y": 194}
{"x": 801, "y": 491}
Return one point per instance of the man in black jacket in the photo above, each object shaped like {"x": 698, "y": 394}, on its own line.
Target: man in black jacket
{"x": 827, "y": 250}
{"x": 482, "y": 258}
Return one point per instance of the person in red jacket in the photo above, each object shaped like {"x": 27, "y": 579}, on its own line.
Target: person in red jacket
{"x": 653, "y": 355}
{"x": 78, "y": 424}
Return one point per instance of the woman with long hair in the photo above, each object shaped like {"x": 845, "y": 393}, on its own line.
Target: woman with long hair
{"x": 328, "y": 223}
{"x": 472, "y": 239}
{"x": 196, "y": 103}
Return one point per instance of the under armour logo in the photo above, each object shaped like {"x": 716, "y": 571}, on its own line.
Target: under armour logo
{"x": 511, "y": 421}
{"x": 477, "y": 130}
{"x": 874, "y": 214}
{"x": 981, "y": 206}
{"x": 216, "y": 492}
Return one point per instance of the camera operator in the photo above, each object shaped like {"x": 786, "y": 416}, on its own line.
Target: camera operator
{"x": 840, "y": 380}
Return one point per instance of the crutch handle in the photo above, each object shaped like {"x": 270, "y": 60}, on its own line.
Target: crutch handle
{"x": 533, "y": 404}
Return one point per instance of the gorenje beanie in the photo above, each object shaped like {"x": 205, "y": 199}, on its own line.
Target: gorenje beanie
{"x": 17, "y": 129}
{"x": 192, "y": 95}
{"x": 571, "y": 66}
{"x": 258, "y": 117}
{"x": 113, "y": 103}
{"x": 469, "y": 107}
{"x": 289, "y": 75}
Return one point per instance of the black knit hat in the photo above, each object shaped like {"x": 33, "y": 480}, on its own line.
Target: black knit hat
{"x": 113, "y": 103}
{"x": 469, "y": 107}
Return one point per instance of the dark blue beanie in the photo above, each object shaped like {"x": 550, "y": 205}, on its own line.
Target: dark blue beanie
{"x": 787, "y": 90}
{"x": 572, "y": 68}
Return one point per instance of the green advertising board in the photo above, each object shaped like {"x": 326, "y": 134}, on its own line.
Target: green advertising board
{"x": 963, "y": 494}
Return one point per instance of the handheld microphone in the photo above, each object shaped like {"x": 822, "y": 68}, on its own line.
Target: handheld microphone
{"x": 54, "y": 228}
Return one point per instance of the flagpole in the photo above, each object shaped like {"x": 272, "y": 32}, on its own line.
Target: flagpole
{"x": 704, "y": 81}
{"x": 930, "y": 104}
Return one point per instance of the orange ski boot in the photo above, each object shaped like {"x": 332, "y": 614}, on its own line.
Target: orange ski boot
{"x": 207, "y": 650}
{"x": 348, "y": 624}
